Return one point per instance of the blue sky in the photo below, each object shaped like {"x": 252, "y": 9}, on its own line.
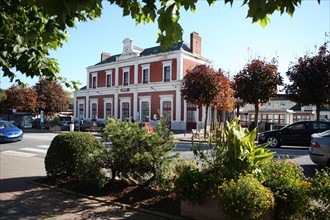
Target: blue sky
{"x": 228, "y": 38}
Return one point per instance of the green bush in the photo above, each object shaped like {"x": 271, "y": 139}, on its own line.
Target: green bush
{"x": 319, "y": 207}
{"x": 244, "y": 198}
{"x": 134, "y": 153}
{"x": 74, "y": 157}
{"x": 191, "y": 184}
{"x": 286, "y": 180}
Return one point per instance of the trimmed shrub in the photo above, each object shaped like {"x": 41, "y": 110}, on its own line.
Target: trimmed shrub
{"x": 74, "y": 157}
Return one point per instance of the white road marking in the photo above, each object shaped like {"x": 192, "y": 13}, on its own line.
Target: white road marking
{"x": 34, "y": 150}
{"x": 43, "y": 146}
{"x": 17, "y": 153}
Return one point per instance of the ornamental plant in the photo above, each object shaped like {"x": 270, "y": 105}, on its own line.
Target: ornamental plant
{"x": 291, "y": 189}
{"x": 244, "y": 198}
{"x": 192, "y": 183}
{"x": 136, "y": 155}
{"x": 233, "y": 151}
{"x": 319, "y": 207}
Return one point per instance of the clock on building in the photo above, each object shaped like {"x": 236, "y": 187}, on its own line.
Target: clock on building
{"x": 126, "y": 49}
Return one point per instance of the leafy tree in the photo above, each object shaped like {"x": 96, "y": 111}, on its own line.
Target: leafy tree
{"x": 310, "y": 79}
{"x": 257, "y": 83}
{"x": 2, "y": 98}
{"x": 224, "y": 100}
{"x": 21, "y": 99}
{"x": 201, "y": 86}
{"x": 29, "y": 29}
{"x": 51, "y": 97}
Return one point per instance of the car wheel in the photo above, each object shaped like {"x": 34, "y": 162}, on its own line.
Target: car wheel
{"x": 273, "y": 142}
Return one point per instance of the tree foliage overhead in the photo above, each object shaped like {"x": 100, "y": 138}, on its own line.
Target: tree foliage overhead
{"x": 29, "y": 29}
{"x": 257, "y": 82}
{"x": 310, "y": 80}
{"x": 21, "y": 99}
{"x": 51, "y": 97}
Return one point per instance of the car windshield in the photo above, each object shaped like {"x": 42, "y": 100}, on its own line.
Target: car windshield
{"x": 6, "y": 124}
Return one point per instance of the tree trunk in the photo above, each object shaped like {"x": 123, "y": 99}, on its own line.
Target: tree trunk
{"x": 206, "y": 110}
{"x": 318, "y": 109}
{"x": 256, "y": 108}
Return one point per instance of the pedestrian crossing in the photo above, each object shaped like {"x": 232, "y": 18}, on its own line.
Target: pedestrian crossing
{"x": 40, "y": 150}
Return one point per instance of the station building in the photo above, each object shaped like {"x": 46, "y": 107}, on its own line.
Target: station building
{"x": 141, "y": 85}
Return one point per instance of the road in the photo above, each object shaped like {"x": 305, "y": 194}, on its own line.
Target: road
{"x": 36, "y": 145}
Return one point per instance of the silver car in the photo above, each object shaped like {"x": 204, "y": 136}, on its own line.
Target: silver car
{"x": 319, "y": 150}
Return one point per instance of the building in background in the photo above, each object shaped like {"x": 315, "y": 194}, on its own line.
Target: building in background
{"x": 142, "y": 85}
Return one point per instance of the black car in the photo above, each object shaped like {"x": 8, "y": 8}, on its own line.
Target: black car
{"x": 298, "y": 133}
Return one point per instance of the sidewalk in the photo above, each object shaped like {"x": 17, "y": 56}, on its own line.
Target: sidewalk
{"x": 21, "y": 198}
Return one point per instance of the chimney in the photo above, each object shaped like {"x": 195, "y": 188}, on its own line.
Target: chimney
{"x": 196, "y": 43}
{"x": 105, "y": 56}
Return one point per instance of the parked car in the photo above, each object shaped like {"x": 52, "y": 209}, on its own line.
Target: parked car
{"x": 298, "y": 133}
{"x": 319, "y": 151}
{"x": 65, "y": 125}
{"x": 9, "y": 132}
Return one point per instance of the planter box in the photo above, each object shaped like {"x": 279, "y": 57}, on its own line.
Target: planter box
{"x": 210, "y": 210}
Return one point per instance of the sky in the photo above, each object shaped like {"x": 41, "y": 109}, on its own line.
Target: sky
{"x": 229, "y": 39}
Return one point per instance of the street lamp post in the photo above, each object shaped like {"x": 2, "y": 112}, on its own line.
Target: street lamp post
{"x": 238, "y": 103}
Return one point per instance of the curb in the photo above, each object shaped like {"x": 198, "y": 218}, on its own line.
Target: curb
{"x": 99, "y": 199}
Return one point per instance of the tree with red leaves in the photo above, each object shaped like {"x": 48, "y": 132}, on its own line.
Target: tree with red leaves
{"x": 310, "y": 79}
{"x": 51, "y": 97}
{"x": 201, "y": 86}
{"x": 257, "y": 83}
{"x": 224, "y": 100}
{"x": 21, "y": 99}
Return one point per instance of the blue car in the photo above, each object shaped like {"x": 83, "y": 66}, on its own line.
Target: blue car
{"x": 9, "y": 132}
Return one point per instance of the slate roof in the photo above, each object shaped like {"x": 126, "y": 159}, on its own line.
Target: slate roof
{"x": 151, "y": 51}
{"x": 297, "y": 108}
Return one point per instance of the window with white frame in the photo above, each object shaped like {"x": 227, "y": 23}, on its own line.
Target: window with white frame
{"x": 167, "y": 109}
{"x": 94, "y": 81}
{"x": 145, "y": 111}
{"x": 167, "y": 66}
{"x": 94, "y": 111}
{"x": 108, "y": 79}
{"x": 81, "y": 111}
{"x": 191, "y": 112}
{"x": 108, "y": 110}
{"x": 145, "y": 75}
{"x": 126, "y": 76}
{"x": 125, "y": 110}
{"x": 167, "y": 73}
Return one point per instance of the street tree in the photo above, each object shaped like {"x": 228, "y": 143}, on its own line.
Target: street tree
{"x": 257, "y": 83}
{"x": 200, "y": 87}
{"x": 310, "y": 80}
{"x": 30, "y": 29}
{"x": 2, "y": 98}
{"x": 19, "y": 98}
{"x": 51, "y": 97}
{"x": 224, "y": 101}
